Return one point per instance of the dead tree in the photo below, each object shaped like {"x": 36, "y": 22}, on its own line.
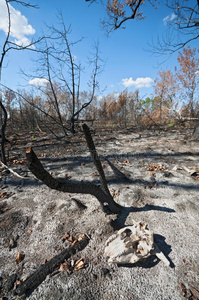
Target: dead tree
{"x": 100, "y": 192}
{"x": 7, "y": 47}
{"x": 68, "y": 71}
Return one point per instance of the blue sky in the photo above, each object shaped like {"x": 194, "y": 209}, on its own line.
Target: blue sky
{"x": 128, "y": 61}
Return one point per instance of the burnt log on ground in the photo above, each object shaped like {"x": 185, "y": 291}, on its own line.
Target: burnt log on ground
{"x": 34, "y": 280}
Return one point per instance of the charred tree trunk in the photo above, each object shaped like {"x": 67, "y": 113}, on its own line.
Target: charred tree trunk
{"x": 100, "y": 192}
{"x": 195, "y": 134}
{"x": 72, "y": 125}
{"x": 3, "y": 138}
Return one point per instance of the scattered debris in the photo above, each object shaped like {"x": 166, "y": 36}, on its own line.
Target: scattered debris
{"x": 154, "y": 167}
{"x": 95, "y": 174}
{"x": 5, "y": 195}
{"x": 49, "y": 267}
{"x": 195, "y": 174}
{"x": 126, "y": 161}
{"x": 79, "y": 264}
{"x": 15, "y": 161}
{"x": 115, "y": 193}
{"x": 13, "y": 172}
{"x": 190, "y": 293}
{"x": 3, "y": 207}
{"x": 66, "y": 176}
{"x": 151, "y": 185}
{"x": 19, "y": 257}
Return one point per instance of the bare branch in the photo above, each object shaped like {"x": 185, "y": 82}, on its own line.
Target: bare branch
{"x": 11, "y": 171}
{"x": 38, "y": 170}
{"x": 26, "y": 4}
{"x": 182, "y": 29}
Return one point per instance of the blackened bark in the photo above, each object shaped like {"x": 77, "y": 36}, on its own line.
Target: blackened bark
{"x": 34, "y": 280}
{"x": 38, "y": 170}
{"x": 96, "y": 159}
{"x": 72, "y": 125}
{"x": 3, "y": 138}
{"x": 195, "y": 134}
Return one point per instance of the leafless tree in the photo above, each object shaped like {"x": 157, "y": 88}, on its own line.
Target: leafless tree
{"x": 60, "y": 66}
{"x": 9, "y": 45}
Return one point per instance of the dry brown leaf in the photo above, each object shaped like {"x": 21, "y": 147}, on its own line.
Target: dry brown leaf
{"x": 59, "y": 248}
{"x": 81, "y": 237}
{"x": 65, "y": 237}
{"x": 71, "y": 239}
{"x": 5, "y": 208}
{"x": 65, "y": 267}
{"x": 115, "y": 193}
{"x": 45, "y": 261}
{"x": 29, "y": 231}
{"x": 154, "y": 167}
{"x": 19, "y": 257}
{"x": 79, "y": 264}
{"x": 67, "y": 176}
{"x": 151, "y": 185}
{"x": 74, "y": 242}
{"x": 195, "y": 174}
{"x": 152, "y": 174}
{"x": 28, "y": 150}
{"x": 16, "y": 161}
{"x": 42, "y": 155}
{"x": 17, "y": 282}
{"x": 5, "y": 195}
{"x": 126, "y": 161}
{"x": 183, "y": 289}
{"x": 95, "y": 174}
{"x": 194, "y": 292}
{"x": 57, "y": 154}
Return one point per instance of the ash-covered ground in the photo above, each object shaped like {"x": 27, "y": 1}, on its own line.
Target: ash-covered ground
{"x": 160, "y": 182}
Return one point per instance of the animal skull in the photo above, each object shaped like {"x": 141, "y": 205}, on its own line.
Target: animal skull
{"x": 131, "y": 244}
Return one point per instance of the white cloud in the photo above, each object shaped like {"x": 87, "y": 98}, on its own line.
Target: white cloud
{"x": 38, "y": 81}
{"x": 116, "y": 95}
{"x": 138, "y": 83}
{"x": 20, "y": 28}
{"x": 169, "y": 18}
{"x": 99, "y": 98}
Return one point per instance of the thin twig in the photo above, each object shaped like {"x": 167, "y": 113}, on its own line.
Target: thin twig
{"x": 13, "y": 172}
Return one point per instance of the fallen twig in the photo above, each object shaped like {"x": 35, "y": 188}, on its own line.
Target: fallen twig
{"x": 11, "y": 171}
{"x": 34, "y": 280}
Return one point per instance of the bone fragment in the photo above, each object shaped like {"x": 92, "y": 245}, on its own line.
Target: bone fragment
{"x": 132, "y": 244}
